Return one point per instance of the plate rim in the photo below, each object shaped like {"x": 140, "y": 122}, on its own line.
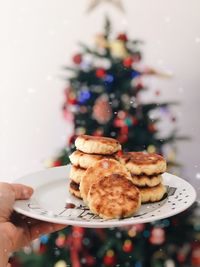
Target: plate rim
{"x": 91, "y": 224}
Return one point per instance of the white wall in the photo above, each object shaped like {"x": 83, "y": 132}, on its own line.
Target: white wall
{"x": 38, "y": 37}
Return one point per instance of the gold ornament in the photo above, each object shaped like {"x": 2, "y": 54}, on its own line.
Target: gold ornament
{"x": 118, "y": 49}
{"x": 151, "y": 149}
{"x": 60, "y": 263}
{"x": 95, "y": 3}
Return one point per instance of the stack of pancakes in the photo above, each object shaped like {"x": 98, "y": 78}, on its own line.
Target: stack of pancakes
{"x": 89, "y": 151}
{"x": 111, "y": 184}
{"x": 146, "y": 172}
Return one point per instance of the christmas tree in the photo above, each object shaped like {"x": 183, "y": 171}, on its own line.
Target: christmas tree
{"x": 103, "y": 99}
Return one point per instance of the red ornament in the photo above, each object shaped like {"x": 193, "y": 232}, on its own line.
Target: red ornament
{"x": 100, "y": 73}
{"x": 195, "y": 259}
{"x": 72, "y": 139}
{"x": 122, "y": 138}
{"x": 152, "y": 128}
{"x": 181, "y": 257}
{"x": 90, "y": 261}
{"x": 139, "y": 86}
{"x": 122, "y": 37}
{"x": 118, "y": 122}
{"x": 57, "y": 163}
{"x": 72, "y": 101}
{"x": 140, "y": 227}
{"x": 128, "y": 246}
{"x": 135, "y": 121}
{"x": 109, "y": 259}
{"x": 98, "y": 132}
{"x": 127, "y": 62}
{"x": 42, "y": 249}
{"x": 77, "y": 59}
{"x": 124, "y": 129}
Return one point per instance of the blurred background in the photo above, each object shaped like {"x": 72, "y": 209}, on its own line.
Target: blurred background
{"x": 39, "y": 38}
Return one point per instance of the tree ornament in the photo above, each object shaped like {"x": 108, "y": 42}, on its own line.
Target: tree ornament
{"x": 100, "y": 73}
{"x": 122, "y": 37}
{"x": 132, "y": 231}
{"x": 57, "y": 163}
{"x": 109, "y": 259}
{"x": 127, "y": 62}
{"x": 80, "y": 130}
{"x": 157, "y": 236}
{"x": 139, "y": 86}
{"x": 151, "y": 128}
{"x": 127, "y": 246}
{"x": 77, "y": 59}
{"x": 102, "y": 111}
{"x": 42, "y": 249}
{"x": 44, "y": 239}
{"x": 84, "y": 95}
{"x": 134, "y": 121}
{"x": 121, "y": 114}
{"x": 151, "y": 149}
{"x": 60, "y": 263}
{"x": 118, "y": 122}
{"x": 98, "y": 132}
{"x": 118, "y": 49}
{"x": 124, "y": 130}
{"x": 60, "y": 240}
{"x": 122, "y": 138}
{"x": 128, "y": 121}
{"x": 181, "y": 257}
{"x": 195, "y": 258}
{"x": 89, "y": 260}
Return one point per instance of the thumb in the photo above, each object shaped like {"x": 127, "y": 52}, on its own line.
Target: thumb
{"x": 22, "y": 191}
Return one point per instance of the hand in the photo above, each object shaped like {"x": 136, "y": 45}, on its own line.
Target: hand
{"x": 17, "y": 231}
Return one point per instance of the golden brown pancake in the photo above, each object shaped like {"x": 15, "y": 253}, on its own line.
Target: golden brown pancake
{"x": 76, "y": 173}
{"x": 97, "y": 145}
{"x": 147, "y": 181}
{"x": 84, "y": 160}
{"x": 114, "y": 196}
{"x": 97, "y": 171}
{"x": 143, "y": 163}
{"x": 152, "y": 194}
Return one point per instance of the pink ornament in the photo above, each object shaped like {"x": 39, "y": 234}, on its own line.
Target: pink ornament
{"x": 68, "y": 115}
{"x": 102, "y": 111}
{"x": 157, "y": 236}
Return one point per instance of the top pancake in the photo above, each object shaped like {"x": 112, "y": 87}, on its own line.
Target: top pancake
{"x": 97, "y": 145}
{"x": 84, "y": 160}
{"x": 143, "y": 163}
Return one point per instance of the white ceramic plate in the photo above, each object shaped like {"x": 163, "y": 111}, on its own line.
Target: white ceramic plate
{"x": 51, "y": 195}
